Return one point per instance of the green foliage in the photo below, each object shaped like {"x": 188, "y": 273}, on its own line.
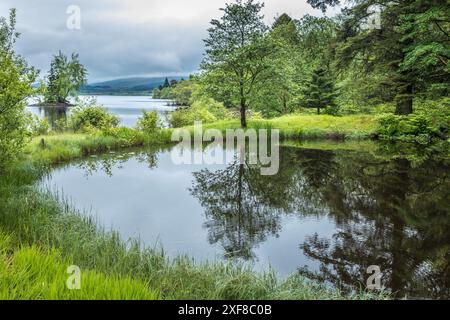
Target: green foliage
{"x": 65, "y": 78}
{"x": 16, "y": 80}
{"x": 31, "y": 273}
{"x": 148, "y": 122}
{"x": 37, "y": 125}
{"x": 236, "y": 52}
{"x": 184, "y": 90}
{"x": 204, "y": 110}
{"x": 431, "y": 121}
{"x": 320, "y": 93}
{"x": 408, "y": 53}
{"x": 61, "y": 125}
{"x": 88, "y": 116}
{"x": 163, "y": 93}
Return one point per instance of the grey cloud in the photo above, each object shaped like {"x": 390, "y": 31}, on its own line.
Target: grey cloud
{"x": 122, "y": 38}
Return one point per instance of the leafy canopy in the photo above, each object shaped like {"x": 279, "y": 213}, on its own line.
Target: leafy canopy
{"x": 65, "y": 78}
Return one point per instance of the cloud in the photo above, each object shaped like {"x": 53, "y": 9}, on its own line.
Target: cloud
{"x": 120, "y": 38}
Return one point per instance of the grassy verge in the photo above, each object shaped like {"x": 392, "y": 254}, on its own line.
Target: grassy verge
{"x": 59, "y": 148}
{"x": 310, "y": 126}
{"x": 32, "y": 273}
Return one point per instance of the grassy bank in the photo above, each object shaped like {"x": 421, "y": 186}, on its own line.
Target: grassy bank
{"x": 310, "y": 126}
{"x": 41, "y": 229}
{"x": 32, "y": 273}
{"x": 61, "y": 147}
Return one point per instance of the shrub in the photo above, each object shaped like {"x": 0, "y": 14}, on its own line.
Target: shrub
{"x": 205, "y": 110}
{"x": 384, "y": 108}
{"x": 60, "y": 125}
{"x": 92, "y": 117}
{"x": 438, "y": 113}
{"x": 332, "y": 110}
{"x": 419, "y": 127}
{"x": 349, "y": 108}
{"x": 125, "y": 137}
{"x": 37, "y": 126}
{"x": 148, "y": 122}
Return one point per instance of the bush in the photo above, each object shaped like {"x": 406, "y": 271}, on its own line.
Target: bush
{"x": 149, "y": 122}
{"x": 37, "y": 125}
{"x": 332, "y": 110}
{"x": 60, "y": 125}
{"x": 125, "y": 137}
{"x": 414, "y": 127}
{"x": 205, "y": 110}
{"x": 92, "y": 117}
{"x": 438, "y": 113}
{"x": 384, "y": 108}
{"x": 348, "y": 108}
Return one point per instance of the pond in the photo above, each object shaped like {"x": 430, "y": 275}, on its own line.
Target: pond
{"x": 127, "y": 108}
{"x": 329, "y": 213}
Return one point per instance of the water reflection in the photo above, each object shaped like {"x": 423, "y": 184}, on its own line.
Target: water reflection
{"x": 367, "y": 208}
{"x": 386, "y": 212}
{"x": 127, "y": 108}
{"x": 52, "y": 114}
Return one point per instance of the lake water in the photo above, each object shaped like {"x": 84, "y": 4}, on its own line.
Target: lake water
{"x": 329, "y": 214}
{"x": 127, "y": 108}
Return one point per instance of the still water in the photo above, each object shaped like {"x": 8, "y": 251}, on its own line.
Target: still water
{"x": 329, "y": 214}
{"x": 127, "y": 108}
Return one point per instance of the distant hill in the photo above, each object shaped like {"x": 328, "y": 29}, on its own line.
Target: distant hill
{"x": 125, "y": 86}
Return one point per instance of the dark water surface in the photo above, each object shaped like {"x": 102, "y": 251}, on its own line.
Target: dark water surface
{"x": 329, "y": 214}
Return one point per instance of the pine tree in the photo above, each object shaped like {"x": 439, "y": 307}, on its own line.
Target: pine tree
{"x": 166, "y": 83}
{"x": 320, "y": 92}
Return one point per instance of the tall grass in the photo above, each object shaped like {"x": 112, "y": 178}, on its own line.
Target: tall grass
{"x": 58, "y": 148}
{"x": 34, "y": 273}
{"x": 310, "y": 126}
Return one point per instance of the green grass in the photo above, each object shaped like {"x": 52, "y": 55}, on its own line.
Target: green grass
{"x": 58, "y": 148}
{"x": 31, "y": 273}
{"x": 62, "y": 147}
{"x": 310, "y": 126}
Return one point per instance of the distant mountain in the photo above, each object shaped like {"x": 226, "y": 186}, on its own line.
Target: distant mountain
{"x": 125, "y": 86}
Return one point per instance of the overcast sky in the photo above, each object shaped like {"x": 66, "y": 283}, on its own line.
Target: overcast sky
{"x": 125, "y": 38}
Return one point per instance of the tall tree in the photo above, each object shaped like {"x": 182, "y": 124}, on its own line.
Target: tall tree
{"x": 320, "y": 93}
{"x": 166, "y": 83}
{"x": 236, "y": 51}
{"x": 64, "y": 78}
{"x": 410, "y": 46}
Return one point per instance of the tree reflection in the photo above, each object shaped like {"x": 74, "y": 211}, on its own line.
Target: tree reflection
{"x": 395, "y": 217}
{"x": 388, "y": 211}
{"x": 116, "y": 160}
{"x": 238, "y": 215}
{"x": 54, "y": 114}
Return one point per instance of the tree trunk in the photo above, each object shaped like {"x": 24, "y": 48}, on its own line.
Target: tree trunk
{"x": 243, "y": 105}
{"x": 405, "y": 101}
{"x": 318, "y": 110}
{"x": 243, "y": 116}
